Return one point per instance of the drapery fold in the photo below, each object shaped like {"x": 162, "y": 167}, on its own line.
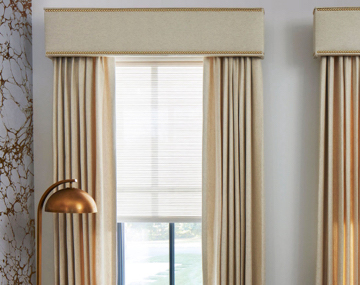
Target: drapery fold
{"x": 83, "y": 148}
{"x": 338, "y": 213}
{"x": 233, "y": 203}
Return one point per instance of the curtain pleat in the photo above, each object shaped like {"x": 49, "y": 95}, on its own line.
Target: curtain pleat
{"x": 233, "y": 216}
{"x": 83, "y": 140}
{"x": 338, "y": 214}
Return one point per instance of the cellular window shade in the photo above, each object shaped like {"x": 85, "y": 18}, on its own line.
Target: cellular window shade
{"x": 159, "y": 141}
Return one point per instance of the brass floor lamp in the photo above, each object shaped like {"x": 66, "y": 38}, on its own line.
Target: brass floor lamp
{"x": 68, "y": 200}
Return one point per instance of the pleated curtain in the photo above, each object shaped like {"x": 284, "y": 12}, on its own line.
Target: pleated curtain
{"x": 233, "y": 201}
{"x": 83, "y": 148}
{"x": 338, "y": 217}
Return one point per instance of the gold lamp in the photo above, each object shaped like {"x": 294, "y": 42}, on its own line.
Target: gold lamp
{"x": 69, "y": 200}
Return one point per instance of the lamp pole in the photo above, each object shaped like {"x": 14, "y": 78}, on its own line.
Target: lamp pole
{"x": 39, "y": 226}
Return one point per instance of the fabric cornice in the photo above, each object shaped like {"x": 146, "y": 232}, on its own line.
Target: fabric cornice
{"x": 154, "y": 31}
{"x": 336, "y": 31}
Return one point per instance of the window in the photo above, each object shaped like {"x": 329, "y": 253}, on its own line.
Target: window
{"x": 159, "y": 155}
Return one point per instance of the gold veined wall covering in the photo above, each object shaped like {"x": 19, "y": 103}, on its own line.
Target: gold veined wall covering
{"x": 17, "y": 227}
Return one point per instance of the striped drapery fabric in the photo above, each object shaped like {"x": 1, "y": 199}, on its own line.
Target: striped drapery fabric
{"x": 83, "y": 148}
{"x": 233, "y": 198}
{"x": 338, "y": 212}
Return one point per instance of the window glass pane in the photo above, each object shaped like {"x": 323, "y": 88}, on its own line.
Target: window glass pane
{"x": 147, "y": 253}
{"x": 188, "y": 266}
{"x": 159, "y": 144}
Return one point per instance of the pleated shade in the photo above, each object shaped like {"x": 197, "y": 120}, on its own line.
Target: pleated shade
{"x": 159, "y": 140}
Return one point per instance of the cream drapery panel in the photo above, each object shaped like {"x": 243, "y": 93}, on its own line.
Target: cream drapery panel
{"x": 338, "y": 217}
{"x": 83, "y": 144}
{"x": 233, "y": 203}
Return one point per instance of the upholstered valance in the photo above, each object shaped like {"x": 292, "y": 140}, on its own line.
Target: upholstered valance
{"x": 178, "y": 31}
{"x": 336, "y": 31}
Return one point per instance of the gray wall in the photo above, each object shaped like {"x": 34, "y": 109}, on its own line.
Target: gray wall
{"x": 291, "y": 112}
{"x": 17, "y": 244}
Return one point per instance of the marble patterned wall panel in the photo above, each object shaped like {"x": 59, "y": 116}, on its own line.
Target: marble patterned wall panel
{"x": 17, "y": 226}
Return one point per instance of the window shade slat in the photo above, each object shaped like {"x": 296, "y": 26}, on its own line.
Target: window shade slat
{"x": 159, "y": 141}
